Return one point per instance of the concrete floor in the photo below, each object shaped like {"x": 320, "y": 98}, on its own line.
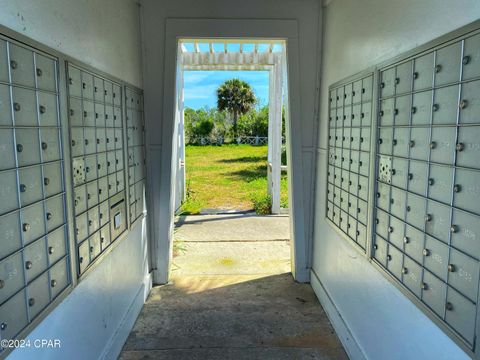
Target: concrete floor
{"x": 231, "y": 296}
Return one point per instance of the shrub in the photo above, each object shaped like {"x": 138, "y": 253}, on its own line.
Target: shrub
{"x": 263, "y": 205}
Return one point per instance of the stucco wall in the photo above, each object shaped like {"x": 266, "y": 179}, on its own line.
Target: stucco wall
{"x": 381, "y": 320}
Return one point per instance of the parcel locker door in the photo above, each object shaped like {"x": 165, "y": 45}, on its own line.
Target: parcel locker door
{"x": 422, "y": 108}
{"x": 35, "y": 259}
{"x": 470, "y": 103}
{"x": 46, "y": 73}
{"x": 22, "y": 70}
{"x": 471, "y": 57}
{"x": 33, "y": 225}
{"x": 28, "y": 146}
{"x": 10, "y": 228}
{"x": 445, "y": 105}
{"x": 468, "y": 146}
{"x": 50, "y": 144}
{"x": 59, "y": 278}
{"x": 465, "y": 231}
{"x": 8, "y": 191}
{"x": 423, "y": 72}
{"x": 56, "y": 241}
{"x": 55, "y": 214}
{"x": 7, "y": 151}
{"x": 447, "y": 64}
{"x": 30, "y": 180}
{"x": 47, "y": 109}
{"x": 24, "y": 107}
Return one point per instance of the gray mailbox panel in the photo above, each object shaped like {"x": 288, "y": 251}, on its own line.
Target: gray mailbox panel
{"x": 349, "y": 160}
{"x": 436, "y": 164}
{"x": 97, "y": 160}
{"x": 32, "y": 210}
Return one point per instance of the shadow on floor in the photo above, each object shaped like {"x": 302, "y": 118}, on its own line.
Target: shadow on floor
{"x": 233, "y": 317}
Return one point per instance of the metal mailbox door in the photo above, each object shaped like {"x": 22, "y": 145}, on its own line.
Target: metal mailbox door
{"x": 470, "y": 50}
{"x": 422, "y": 108}
{"x": 402, "y": 110}
{"x": 470, "y": 102}
{"x": 46, "y": 72}
{"x": 404, "y": 77}
{"x": 463, "y": 274}
{"x": 413, "y": 241}
{"x": 437, "y": 220}
{"x": 443, "y": 145}
{"x": 50, "y": 144}
{"x": 440, "y": 183}
{"x": 56, "y": 241}
{"x": 58, "y": 278}
{"x": 445, "y": 105}
{"x": 33, "y": 226}
{"x": 35, "y": 259}
{"x": 24, "y": 106}
{"x": 22, "y": 70}
{"x": 30, "y": 180}
{"x": 434, "y": 293}
{"x": 436, "y": 257}
{"x": 88, "y": 113}
{"x": 465, "y": 231}
{"x": 423, "y": 72}
{"x": 10, "y": 234}
{"x": 468, "y": 146}
{"x": 54, "y": 212}
{"x": 47, "y": 109}
{"x": 28, "y": 146}
{"x": 75, "y": 82}
{"x": 448, "y": 62}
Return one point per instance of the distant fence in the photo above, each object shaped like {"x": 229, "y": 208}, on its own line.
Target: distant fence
{"x": 248, "y": 140}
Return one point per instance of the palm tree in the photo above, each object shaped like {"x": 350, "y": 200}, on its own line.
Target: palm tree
{"x": 237, "y": 97}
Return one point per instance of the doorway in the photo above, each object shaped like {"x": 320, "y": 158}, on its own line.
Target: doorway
{"x": 283, "y": 30}
{"x": 230, "y": 118}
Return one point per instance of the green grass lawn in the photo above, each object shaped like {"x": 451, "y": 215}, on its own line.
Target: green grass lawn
{"x": 228, "y": 177}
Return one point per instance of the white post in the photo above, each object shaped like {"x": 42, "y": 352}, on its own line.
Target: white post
{"x": 276, "y": 137}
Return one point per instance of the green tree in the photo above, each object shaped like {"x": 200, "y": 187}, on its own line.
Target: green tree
{"x": 236, "y": 97}
{"x": 198, "y": 123}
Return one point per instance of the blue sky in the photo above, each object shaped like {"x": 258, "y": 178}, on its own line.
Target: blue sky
{"x": 200, "y": 86}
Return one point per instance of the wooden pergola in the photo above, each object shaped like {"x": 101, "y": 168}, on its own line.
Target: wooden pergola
{"x": 254, "y": 55}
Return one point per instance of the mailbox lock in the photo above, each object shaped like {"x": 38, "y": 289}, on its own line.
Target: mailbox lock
{"x": 28, "y": 265}
{"x": 460, "y": 147}
{"x": 92, "y": 248}
{"x": 84, "y": 86}
{"x": 406, "y": 240}
{"x": 382, "y": 85}
{"x": 397, "y": 81}
{"x": 46, "y": 181}
{"x": 428, "y": 217}
{"x": 424, "y": 286}
{"x": 73, "y": 143}
{"x": 17, "y": 107}
{"x": 451, "y": 268}
{"x": 19, "y": 147}
{"x": 463, "y": 104}
{"x": 49, "y": 216}
{"x": 466, "y": 60}
{"x": 102, "y": 239}
{"x": 31, "y": 302}
{"x": 375, "y": 247}
{"x": 426, "y": 252}
{"x": 457, "y": 188}
{"x": 349, "y": 226}
{"x": 381, "y": 112}
{"x": 394, "y": 142}
{"x": 72, "y": 112}
{"x": 390, "y": 229}
{"x": 378, "y": 195}
{"x": 359, "y": 187}
{"x": 438, "y": 68}
{"x": 395, "y": 111}
{"x": 414, "y": 110}
{"x": 415, "y": 75}
{"x": 90, "y": 222}
{"x": 23, "y": 188}
{"x": 44, "y": 146}
{"x": 2, "y": 284}
{"x": 409, "y": 208}
{"x": 431, "y": 181}
{"x": 87, "y": 169}
{"x": 435, "y": 107}
{"x": 392, "y": 201}
{"x": 42, "y": 109}
{"x": 389, "y": 257}
{"x": 393, "y": 171}
{"x": 363, "y": 115}
{"x": 358, "y": 233}
{"x": 449, "y": 306}
{"x": 433, "y": 145}
{"x": 53, "y": 283}
{"x": 380, "y": 141}
{"x": 411, "y": 143}
{"x": 51, "y": 250}
{"x": 86, "y": 141}
{"x": 404, "y": 270}
{"x": 3, "y": 326}
{"x": 26, "y": 227}
{"x": 410, "y": 176}
{"x": 453, "y": 228}
{"x": 13, "y": 64}
{"x": 81, "y": 259}
{"x": 98, "y": 141}
{"x": 39, "y": 72}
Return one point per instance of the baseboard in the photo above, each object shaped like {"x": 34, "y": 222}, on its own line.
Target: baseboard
{"x": 115, "y": 345}
{"x": 350, "y": 344}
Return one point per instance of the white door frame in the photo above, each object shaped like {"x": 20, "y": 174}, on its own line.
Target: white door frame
{"x": 232, "y": 28}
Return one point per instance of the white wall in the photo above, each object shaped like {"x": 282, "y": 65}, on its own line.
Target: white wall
{"x": 382, "y": 321}
{"x": 155, "y": 13}
{"x": 94, "y": 320}
{"x": 104, "y": 34}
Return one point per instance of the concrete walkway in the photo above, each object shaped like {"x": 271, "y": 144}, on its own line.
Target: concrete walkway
{"x": 231, "y": 296}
